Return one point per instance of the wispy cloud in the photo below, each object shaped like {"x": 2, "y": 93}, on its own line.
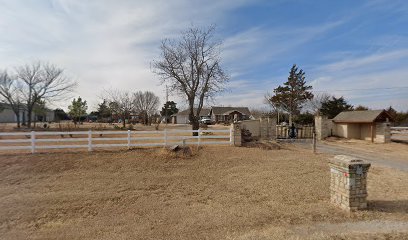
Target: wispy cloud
{"x": 100, "y": 43}
{"x": 262, "y": 44}
{"x": 368, "y": 61}
{"x": 106, "y": 44}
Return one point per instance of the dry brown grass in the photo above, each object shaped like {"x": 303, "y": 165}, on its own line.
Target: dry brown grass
{"x": 219, "y": 193}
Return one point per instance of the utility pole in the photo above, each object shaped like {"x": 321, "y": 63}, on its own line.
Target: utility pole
{"x": 165, "y": 105}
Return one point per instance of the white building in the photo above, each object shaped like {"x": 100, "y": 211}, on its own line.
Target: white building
{"x": 7, "y": 115}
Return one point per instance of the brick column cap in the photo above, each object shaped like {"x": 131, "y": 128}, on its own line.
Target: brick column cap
{"x": 347, "y": 161}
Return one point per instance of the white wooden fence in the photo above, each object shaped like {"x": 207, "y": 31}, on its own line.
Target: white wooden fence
{"x": 398, "y": 129}
{"x": 399, "y": 134}
{"x": 88, "y": 139}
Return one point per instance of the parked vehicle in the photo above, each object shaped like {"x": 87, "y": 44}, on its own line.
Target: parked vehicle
{"x": 205, "y": 120}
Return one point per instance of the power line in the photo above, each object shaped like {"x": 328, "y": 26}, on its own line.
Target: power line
{"x": 359, "y": 89}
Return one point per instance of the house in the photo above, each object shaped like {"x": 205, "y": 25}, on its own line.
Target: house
{"x": 227, "y": 114}
{"x": 182, "y": 117}
{"x": 7, "y": 115}
{"x": 371, "y": 125}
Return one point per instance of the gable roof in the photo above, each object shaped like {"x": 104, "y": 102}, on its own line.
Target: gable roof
{"x": 227, "y": 110}
{"x": 203, "y": 112}
{"x": 367, "y": 116}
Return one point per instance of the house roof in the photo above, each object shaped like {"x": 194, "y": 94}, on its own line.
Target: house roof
{"x": 367, "y": 116}
{"x": 22, "y": 106}
{"x": 203, "y": 112}
{"x": 227, "y": 110}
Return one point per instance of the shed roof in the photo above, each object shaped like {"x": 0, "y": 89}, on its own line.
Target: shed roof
{"x": 367, "y": 116}
{"x": 227, "y": 110}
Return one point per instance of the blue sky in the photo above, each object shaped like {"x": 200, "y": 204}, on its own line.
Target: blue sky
{"x": 358, "y": 46}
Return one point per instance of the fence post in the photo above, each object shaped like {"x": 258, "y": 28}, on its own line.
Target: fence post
{"x": 231, "y": 134}
{"x": 314, "y": 142}
{"x": 128, "y": 139}
{"x": 199, "y": 139}
{"x": 165, "y": 137}
{"x": 32, "y": 142}
{"x": 89, "y": 140}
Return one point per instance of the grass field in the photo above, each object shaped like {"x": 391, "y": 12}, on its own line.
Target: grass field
{"x": 218, "y": 193}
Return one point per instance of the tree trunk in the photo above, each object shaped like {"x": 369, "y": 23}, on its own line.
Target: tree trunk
{"x": 290, "y": 119}
{"x": 195, "y": 125}
{"x": 29, "y": 113}
{"x": 24, "y": 118}
{"x": 124, "y": 122}
{"x": 18, "y": 119}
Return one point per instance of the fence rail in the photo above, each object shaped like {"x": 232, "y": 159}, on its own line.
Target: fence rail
{"x": 399, "y": 130}
{"x": 399, "y": 134}
{"x": 131, "y": 139}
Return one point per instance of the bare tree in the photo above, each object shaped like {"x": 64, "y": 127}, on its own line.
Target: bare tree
{"x": 121, "y": 103}
{"x": 315, "y": 104}
{"x": 277, "y": 108}
{"x": 190, "y": 65}
{"x": 42, "y": 81}
{"x": 11, "y": 94}
{"x": 146, "y": 103}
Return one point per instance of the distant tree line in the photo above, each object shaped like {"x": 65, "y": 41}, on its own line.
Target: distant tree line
{"x": 122, "y": 106}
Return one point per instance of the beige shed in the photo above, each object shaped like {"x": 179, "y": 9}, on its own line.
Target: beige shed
{"x": 373, "y": 125}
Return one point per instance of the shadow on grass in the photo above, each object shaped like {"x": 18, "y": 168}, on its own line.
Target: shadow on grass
{"x": 396, "y": 206}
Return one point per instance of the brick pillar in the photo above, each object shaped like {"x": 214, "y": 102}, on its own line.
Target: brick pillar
{"x": 382, "y": 132}
{"x": 348, "y": 183}
{"x": 236, "y": 133}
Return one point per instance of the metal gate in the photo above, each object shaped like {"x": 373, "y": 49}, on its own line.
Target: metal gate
{"x": 302, "y": 132}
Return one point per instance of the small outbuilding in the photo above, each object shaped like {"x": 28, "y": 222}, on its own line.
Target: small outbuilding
{"x": 372, "y": 125}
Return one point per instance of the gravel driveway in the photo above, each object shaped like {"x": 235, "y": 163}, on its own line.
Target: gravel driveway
{"x": 378, "y": 157}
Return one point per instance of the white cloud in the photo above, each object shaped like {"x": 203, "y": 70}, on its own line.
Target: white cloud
{"x": 105, "y": 44}
{"x": 102, "y": 44}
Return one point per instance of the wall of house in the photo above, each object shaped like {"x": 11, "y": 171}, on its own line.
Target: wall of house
{"x": 348, "y": 130}
{"x": 50, "y": 116}
{"x": 353, "y": 131}
{"x": 365, "y": 131}
{"x": 7, "y": 116}
{"x": 181, "y": 119}
{"x": 341, "y": 130}
{"x": 381, "y": 131}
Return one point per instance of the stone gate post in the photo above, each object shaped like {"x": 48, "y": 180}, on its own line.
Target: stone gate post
{"x": 348, "y": 183}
